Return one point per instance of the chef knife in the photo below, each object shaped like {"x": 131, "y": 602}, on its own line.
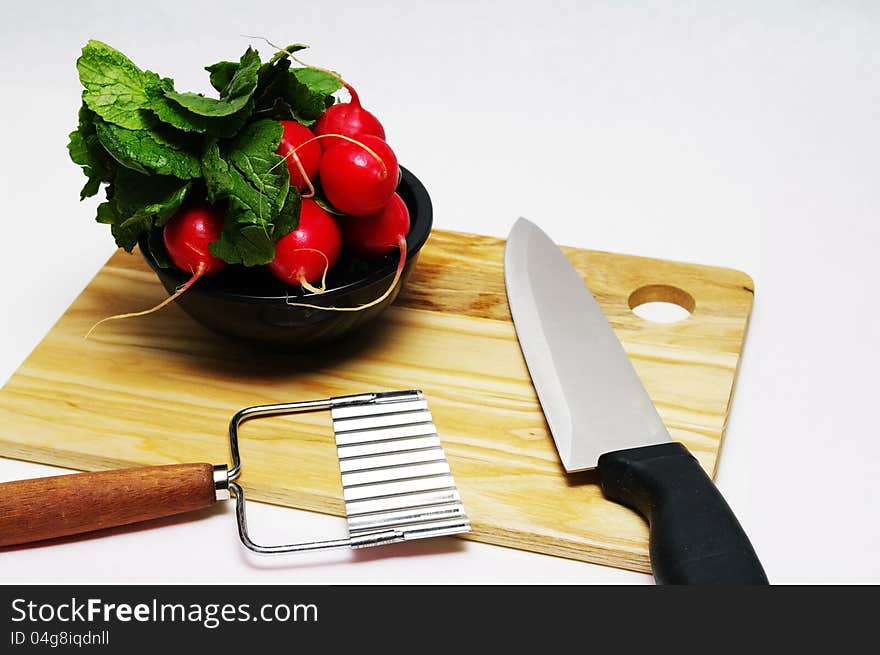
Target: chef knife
{"x": 602, "y": 418}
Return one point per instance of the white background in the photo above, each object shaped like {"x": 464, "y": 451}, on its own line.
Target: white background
{"x": 741, "y": 134}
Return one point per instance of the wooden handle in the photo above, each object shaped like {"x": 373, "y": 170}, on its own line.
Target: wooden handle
{"x": 45, "y": 508}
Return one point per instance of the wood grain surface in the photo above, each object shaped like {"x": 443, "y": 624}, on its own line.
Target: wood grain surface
{"x": 161, "y": 389}
{"x": 62, "y": 505}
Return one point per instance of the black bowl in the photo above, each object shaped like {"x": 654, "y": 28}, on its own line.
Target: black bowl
{"x": 252, "y": 305}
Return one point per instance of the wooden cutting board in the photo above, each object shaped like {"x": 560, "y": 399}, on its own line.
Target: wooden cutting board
{"x": 161, "y": 389}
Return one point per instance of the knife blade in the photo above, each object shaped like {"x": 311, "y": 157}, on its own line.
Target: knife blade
{"x": 601, "y": 416}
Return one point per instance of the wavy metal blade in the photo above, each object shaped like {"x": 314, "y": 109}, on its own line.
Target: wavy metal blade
{"x": 591, "y": 395}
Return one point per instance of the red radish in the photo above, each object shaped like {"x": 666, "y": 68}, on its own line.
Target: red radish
{"x": 380, "y": 233}
{"x": 304, "y": 255}
{"x": 350, "y": 119}
{"x": 302, "y": 158}
{"x": 186, "y": 238}
{"x": 359, "y": 176}
{"x": 375, "y": 235}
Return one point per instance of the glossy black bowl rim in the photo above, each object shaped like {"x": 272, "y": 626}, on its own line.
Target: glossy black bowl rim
{"x": 423, "y": 220}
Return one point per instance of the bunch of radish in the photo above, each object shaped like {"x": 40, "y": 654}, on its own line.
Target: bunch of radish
{"x": 275, "y": 172}
{"x": 347, "y": 158}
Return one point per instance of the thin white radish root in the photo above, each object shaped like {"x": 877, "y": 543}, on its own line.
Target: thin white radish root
{"x": 369, "y": 150}
{"x": 302, "y": 171}
{"x": 177, "y": 293}
{"x": 297, "y": 60}
{"x": 304, "y": 283}
{"x": 401, "y": 244}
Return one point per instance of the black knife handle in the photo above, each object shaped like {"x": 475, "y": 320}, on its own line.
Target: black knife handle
{"x": 695, "y": 537}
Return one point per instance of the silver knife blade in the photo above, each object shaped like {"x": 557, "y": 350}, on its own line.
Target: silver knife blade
{"x": 591, "y": 395}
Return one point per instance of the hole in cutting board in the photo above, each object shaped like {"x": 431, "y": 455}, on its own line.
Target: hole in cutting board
{"x": 661, "y": 303}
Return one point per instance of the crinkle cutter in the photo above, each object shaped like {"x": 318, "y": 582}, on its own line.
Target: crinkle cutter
{"x": 396, "y": 482}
